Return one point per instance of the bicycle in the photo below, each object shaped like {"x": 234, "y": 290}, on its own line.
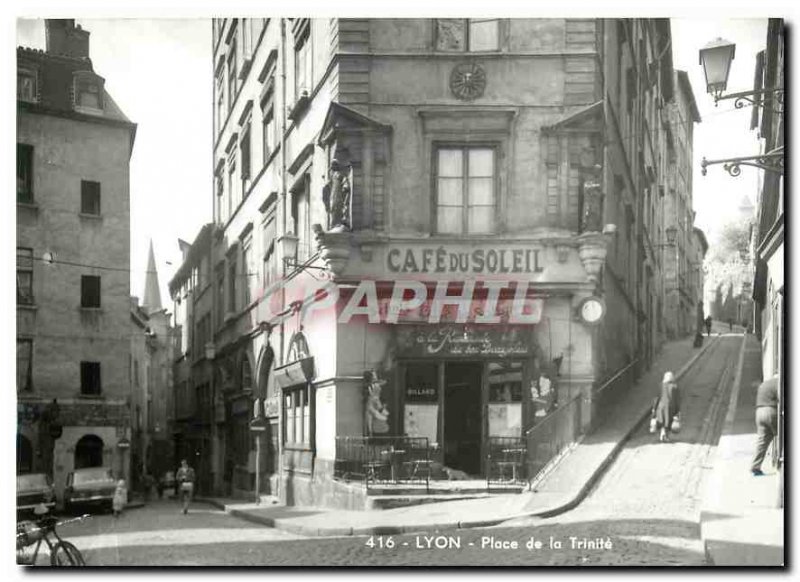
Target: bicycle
{"x": 62, "y": 552}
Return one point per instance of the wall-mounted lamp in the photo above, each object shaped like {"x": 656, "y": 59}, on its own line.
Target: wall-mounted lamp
{"x": 289, "y": 243}
{"x": 716, "y": 58}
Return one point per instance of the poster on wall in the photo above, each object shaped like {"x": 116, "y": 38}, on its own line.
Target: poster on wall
{"x": 505, "y": 420}
{"x": 422, "y": 420}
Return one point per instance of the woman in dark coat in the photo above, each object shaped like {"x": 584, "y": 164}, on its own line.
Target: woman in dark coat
{"x": 669, "y": 405}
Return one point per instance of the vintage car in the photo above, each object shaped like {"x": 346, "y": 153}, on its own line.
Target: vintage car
{"x": 33, "y": 489}
{"x": 89, "y": 487}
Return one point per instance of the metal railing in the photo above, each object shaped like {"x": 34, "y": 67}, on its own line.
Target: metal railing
{"x": 506, "y": 462}
{"x": 553, "y": 435}
{"x": 556, "y": 433}
{"x": 379, "y": 461}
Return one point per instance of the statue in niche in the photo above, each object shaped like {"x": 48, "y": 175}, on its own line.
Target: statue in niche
{"x": 592, "y": 218}
{"x": 336, "y": 197}
{"x": 376, "y": 414}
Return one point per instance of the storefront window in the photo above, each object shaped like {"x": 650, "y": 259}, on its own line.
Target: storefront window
{"x": 421, "y": 414}
{"x": 297, "y": 417}
{"x": 505, "y": 399}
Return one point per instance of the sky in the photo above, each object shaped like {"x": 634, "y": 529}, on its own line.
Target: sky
{"x": 724, "y": 131}
{"x": 159, "y": 72}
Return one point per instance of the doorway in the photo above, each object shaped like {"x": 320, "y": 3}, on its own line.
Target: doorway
{"x": 89, "y": 452}
{"x": 462, "y": 416}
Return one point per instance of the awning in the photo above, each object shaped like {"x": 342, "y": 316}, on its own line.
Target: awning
{"x": 299, "y": 372}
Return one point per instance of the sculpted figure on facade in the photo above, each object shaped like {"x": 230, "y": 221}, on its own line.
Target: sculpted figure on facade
{"x": 336, "y": 197}
{"x": 376, "y": 414}
{"x": 592, "y": 219}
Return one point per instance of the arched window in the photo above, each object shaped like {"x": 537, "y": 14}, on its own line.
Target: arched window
{"x": 24, "y": 455}
{"x": 265, "y": 380}
{"x": 89, "y": 452}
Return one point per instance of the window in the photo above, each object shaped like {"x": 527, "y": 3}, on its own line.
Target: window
{"x": 475, "y": 34}
{"x": 24, "y": 365}
{"x": 270, "y": 270}
{"x": 24, "y": 173}
{"x": 268, "y": 127}
{"x": 301, "y": 222}
{"x": 27, "y": 85}
{"x": 90, "y": 291}
{"x": 219, "y": 198}
{"x": 302, "y": 62}
{"x": 232, "y": 286}
{"x": 465, "y": 190}
{"x": 220, "y": 296}
{"x": 220, "y": 105}
{"x": 24, "y": 276}
{"x": 297, "y": 417}
{"x": 232, "y": 205}
{"x": 232, "y": 74}
{"x": 90, "y": 378}
{"x": 246, "y": 269}
{"x": 244, "y": 152}
{"x": 88, "y": 92}
{"x": 90, "y": 197}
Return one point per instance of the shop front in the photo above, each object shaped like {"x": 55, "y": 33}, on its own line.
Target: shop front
{"x": 462, "y": 387}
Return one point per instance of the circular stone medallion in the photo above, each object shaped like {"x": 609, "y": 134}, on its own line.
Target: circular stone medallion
{"x": 468, "y": 81}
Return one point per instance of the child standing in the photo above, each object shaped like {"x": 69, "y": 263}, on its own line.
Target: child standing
{"x": 120, "y": 498}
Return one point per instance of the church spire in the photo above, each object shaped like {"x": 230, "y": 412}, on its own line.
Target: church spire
{"x": 152, "y": 292}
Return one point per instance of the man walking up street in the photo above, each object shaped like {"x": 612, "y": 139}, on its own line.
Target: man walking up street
{"x": 766, "y": 420}
{"x": 185, "y": 478}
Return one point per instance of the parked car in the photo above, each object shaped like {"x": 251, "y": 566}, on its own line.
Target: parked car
{"x": 89, "y": 487}
{"x": 166, "y": 483}
{"x": 34, "y": 489}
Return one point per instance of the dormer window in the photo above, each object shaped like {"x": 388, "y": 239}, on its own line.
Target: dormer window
{"x": 26, "y": 85}
{"x": 88, "y": 91}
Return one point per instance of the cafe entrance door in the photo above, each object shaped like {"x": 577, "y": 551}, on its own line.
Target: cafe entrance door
{"x": 463, "y": 419}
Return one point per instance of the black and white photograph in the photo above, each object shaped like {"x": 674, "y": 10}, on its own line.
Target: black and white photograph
{"x": 436, "y": 289}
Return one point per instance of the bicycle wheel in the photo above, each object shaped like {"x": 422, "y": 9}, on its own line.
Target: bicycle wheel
{"x": 66, "y": 554}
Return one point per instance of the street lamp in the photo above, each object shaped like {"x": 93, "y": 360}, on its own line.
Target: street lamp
{"x": 716, "y": 58}
{"x": 289, "y": 243}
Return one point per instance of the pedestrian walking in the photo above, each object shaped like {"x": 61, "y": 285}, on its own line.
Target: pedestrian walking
{"x": 185, "y": 478}
{"x": 766, "y": 420}
{"x": 668, "y": 407}
{"x": 120, "y": 498}
{"x": 708, "y": 326}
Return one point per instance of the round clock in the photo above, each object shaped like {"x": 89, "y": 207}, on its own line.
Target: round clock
{"x": 592, "y": 310}
{"x": 468, "y": 81}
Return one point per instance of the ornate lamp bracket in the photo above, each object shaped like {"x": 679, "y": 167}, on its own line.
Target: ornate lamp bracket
{"x": 748, "y": 98}
{"x": 770, "y": 162}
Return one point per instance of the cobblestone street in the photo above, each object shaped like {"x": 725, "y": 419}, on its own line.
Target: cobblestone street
{"x": 643, "y": 511}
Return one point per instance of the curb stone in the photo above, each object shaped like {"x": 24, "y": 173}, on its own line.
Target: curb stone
{"x": 396, "y": 530}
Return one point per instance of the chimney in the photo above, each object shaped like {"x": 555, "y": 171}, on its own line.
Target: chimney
{"x": 64, "y": 38}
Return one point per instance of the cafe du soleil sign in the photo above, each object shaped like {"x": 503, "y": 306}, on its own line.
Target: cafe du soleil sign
{"x": 462, "y": 341}
{"x": 464, "y": 260}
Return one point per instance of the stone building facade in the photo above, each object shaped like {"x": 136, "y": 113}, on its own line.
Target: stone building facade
{"x": 467, "y": 163}
{"x": 73, "y": 225}
{"x": 152, "y": 344}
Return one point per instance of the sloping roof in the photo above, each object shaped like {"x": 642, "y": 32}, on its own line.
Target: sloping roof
{"x": 686, "y": 88}
{"x": 339, "y": 115}
{"x": 582, "y": 119}
{"x": 199, "y": 247}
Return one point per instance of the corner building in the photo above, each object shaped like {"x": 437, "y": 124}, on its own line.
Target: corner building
{"x": 73, "y": 256}
{"x": 471, "y": 155}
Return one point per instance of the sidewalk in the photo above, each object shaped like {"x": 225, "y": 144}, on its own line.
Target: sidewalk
{"x": 740, "y": 523}
{"x": 561, "y": 490}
